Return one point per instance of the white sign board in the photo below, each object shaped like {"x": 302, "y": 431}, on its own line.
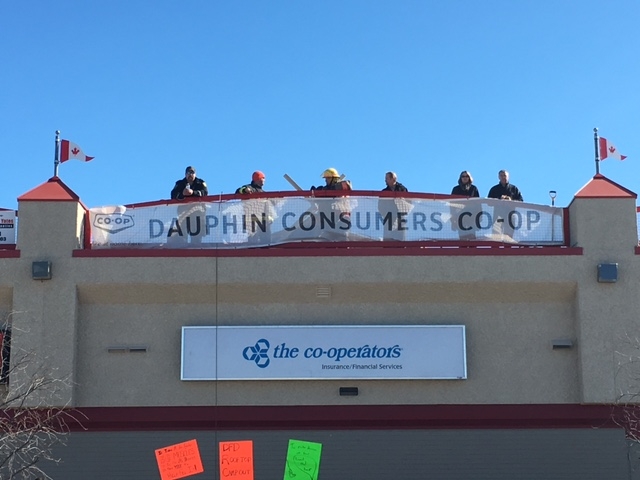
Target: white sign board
{"x": 324, "y": 352}
{"x": 274, "y": 221}
{"x": 7, "y": 227}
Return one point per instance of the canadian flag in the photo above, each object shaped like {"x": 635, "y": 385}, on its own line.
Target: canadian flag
{"x": 608, "y": 149}
{"x": 71, "y": 151}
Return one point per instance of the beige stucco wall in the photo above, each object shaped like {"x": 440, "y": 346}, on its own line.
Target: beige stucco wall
{"x": 509, "y": 348}
{"x": 513, "y": 307}
{"x": 606, "y": 313}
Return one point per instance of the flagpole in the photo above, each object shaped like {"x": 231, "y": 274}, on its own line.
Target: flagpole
{"x": 56, "y": 158}
{"x": 595, "y": 143}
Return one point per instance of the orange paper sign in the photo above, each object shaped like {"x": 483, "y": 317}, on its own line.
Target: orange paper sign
{"x": 236, "y": 460}
{"x": 179, "y": 460}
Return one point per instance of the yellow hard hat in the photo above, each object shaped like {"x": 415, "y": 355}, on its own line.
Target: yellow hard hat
{"x": 330, "y": 173}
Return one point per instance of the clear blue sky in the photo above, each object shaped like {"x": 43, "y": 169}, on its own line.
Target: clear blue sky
{"x": 424, "y": 88}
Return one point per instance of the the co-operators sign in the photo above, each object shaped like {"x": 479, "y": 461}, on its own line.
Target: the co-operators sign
{"x": 324, "y": 352}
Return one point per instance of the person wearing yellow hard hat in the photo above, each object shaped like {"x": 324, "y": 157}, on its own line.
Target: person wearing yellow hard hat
{"x": 330, "y": 173}
{"x": 333, "y": 181}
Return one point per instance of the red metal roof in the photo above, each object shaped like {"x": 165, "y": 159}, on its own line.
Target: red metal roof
{"x": 601, "y": 187}
{"x": 53, "y": 189}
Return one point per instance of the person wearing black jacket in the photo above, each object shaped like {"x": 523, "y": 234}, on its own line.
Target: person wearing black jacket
{"x": 257, "y": 182}
{"x": 258, "y": 232}
{"x": 393, "y": 210}
{"x": 503, "y": 228}
{"x": 465, "y": 187}
{"x": 189, "y": 186}
{"x": 505, "y": 190}
{"x": 333, "y": 181}
{"x": 189, "y": 223}
{"x": 339, "y": 208}
{"x": 391, "y": 179}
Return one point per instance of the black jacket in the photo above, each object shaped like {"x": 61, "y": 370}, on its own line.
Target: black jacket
{"x": 341, "y": 185}
{"x": 398, "y": 187}
{"x": 509, "y": 189}
{"x": 250, "y": 188}
{"x": 199, "y": 187}
{"x": 472, "y": 191}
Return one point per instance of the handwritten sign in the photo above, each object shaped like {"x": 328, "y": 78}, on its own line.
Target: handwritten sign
{"x": 303, "y": 460}
{"x": 179, "y": 460}
{"x": 236, "y": 460}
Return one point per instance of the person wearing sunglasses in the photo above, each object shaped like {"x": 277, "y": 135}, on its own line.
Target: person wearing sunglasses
{"x": 465, "y": 187}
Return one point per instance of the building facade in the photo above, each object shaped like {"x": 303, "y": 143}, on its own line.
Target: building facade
{"x": 538, "y": 370}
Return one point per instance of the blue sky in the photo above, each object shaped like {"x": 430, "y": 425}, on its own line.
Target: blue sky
{"x": 424, "y": 88}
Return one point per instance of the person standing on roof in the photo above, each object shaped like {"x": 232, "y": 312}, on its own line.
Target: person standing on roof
{"x": 393, "y": 210}
{"x": 503, "y": 227}
{"x": 505, "y": 190}
{"x": 189, "y": 223}
{"x": 189, "y": 186}
{"x": 258, "y": 212}
{"x": 460, "y": 210}
{"x": 393, "y": 185}
{"x": 337, "y": 209}
{"x": 465, "y": 187}
{"x": 257, "y": 182}
{"x": 333, "y": 181}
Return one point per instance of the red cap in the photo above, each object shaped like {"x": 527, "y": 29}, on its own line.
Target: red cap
{"x": 258, "y": 175}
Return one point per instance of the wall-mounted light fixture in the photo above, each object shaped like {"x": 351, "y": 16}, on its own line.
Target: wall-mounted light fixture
{"x": 41, "y": 270}
{"x": 560, "y": 343}
{"x": 348, "y": 391}
{"x": 127, "y": 349}
{"x": 608, "y": 272}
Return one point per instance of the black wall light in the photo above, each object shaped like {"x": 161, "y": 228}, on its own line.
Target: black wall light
{"x": 561, "y": 343}
{"x": 608, "y": 272}
{"x": 348, "y": 391}
{"x": 41, "y": 270}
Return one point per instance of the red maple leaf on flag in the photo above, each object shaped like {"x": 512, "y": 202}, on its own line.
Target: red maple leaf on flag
{"x": 70, "y": 150}
{"x": 608, "y": 150}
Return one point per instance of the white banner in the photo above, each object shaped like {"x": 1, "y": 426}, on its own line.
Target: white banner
{"x": 258, "y": 222}
{"x": 324, "y": 352}
{"x": 7, "y": 227}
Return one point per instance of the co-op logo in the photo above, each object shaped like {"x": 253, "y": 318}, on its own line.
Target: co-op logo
{"x": 259, "y": 353}
{"x": 113, "y": 222}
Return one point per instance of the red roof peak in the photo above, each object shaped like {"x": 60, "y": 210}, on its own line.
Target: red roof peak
{"x": 601, "y": 187}
{"x": 53, "y": 189}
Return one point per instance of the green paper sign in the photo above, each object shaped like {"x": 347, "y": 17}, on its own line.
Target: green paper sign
{"x": 303, "y": 460}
